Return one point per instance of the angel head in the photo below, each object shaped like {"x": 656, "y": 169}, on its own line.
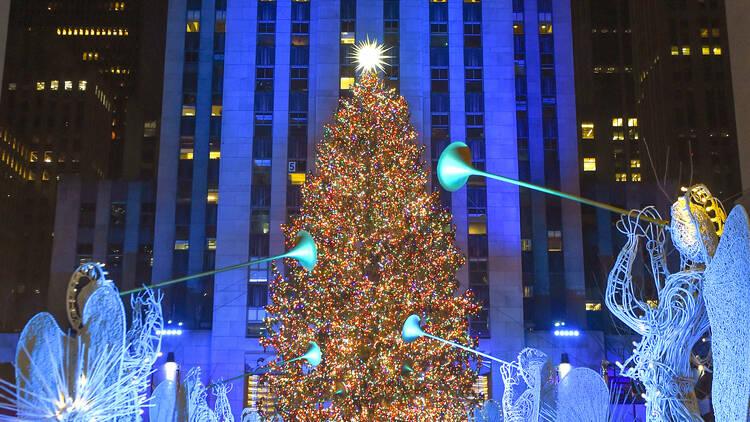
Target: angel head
{"x": 697, "y": 221}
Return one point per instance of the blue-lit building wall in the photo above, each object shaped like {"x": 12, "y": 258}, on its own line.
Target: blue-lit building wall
{"x": 250, "y": 84}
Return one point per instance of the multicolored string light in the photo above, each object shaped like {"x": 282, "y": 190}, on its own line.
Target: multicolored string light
{"x": 386, "y": 251}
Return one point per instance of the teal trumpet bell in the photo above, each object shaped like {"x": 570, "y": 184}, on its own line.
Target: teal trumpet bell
{"x": 305, "y": 251}
{"x": 454, "y": 166}
{"x": 411, "y": 330}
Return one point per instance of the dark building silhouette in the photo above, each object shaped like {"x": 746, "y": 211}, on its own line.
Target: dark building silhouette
{"x": 80, "y": 97}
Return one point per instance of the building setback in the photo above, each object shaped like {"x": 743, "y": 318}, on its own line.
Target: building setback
{"x": 248, "y": 87}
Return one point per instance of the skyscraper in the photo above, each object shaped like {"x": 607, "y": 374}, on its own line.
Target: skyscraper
{"x": 68, "y": 95}
{"x": 248, "y": 89}
{"x": 614, "y": 168}
{"x": 684, "y": 94}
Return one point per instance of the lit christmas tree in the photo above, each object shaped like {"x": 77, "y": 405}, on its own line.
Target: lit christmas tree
{"x": 386, "y": 251}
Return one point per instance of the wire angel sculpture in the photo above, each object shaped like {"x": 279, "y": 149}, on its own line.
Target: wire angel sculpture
{"x": 727, "y": 296}
{"x": 250, "y": 415}
{"x": 529, "y": 388}
{"x": 670, "y": 328}
{"x": 99, "y": 371}
{"x": 187, "y": 401}
{"x": 582, "y": 396}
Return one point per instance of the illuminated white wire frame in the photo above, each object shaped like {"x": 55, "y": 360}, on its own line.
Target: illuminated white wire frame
{"x": 101, "y": 371}
{"x": 582, "y": 396}
{"x": 661, "y": 359}
{"x": 727, "y": 294}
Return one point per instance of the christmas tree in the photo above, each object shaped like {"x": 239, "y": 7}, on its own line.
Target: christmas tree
{"x": 386, "y": 250}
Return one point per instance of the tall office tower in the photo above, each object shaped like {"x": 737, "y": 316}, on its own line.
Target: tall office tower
{"x": 684, "y": 94}
{"x": 737, "y": 31}
{"x": 67, "y": 87}
{"x": 79, "y": 38}
{"x": 248, "y": 89}
{"x": 547, "y": 151}
{"x": 610, "y": 149}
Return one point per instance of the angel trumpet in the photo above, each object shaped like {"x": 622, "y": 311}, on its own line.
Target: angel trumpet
{"x": 304, "y": 252}
{"x": 454, "y": 169}
{"x": 412, "y": 331}
{"x": 313, "y": 356}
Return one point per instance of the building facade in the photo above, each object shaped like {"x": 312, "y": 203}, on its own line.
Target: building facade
{"x": 249, "y": 86}
{"x": 68, "y": 93}
{"x": 614, "y": 165}
{"x": 684, "y": 95}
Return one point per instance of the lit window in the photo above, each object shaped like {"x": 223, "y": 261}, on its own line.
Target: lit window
{"x": 685, "y": 50}
{"x": 706, "y": 50}
{"x": 482, "y": 387}
{"x": 717, "y": 50}
{"x": 545, "y": 28}
{"x": 587, "y": 130}
{"x": 589, "y": 164}
{"x": 193, "y": 26}
{"x": 715, "y": 32}
{"x": 346, "y": 82}
{"x": 45, "y": 175}
{"x": 211, "y": 244}
{"x": 652, "y": 303}
{"x": 593, "y": 306}
{"x": 347, "y": 38}
{"x": 675, "y": 50}
{"x": 632, "y": 122}
{"x": 258, "y": 395}
{"x": 186, "y": 154}
{"x": 635, "y": 177}
{"x": 528, "y": 291}
{"x": 213, "y": 196}
{"x": 526, "y": 245}
{"x": 47, "y": 156}
{"x": 34, "y": 157}
{"x": 621, "y": 177}
{"x": 554, "y": 240}
{"x": 54, "y": 85}
{"x": 518, "y": 28}
{"x": 12, "y": 86}
{"x": 188, "y": 110}
{"x": 68, "y": 85}
{"x": 82, "y": 85}
{"x": 618, "y": 135}
{"x": 214, "y": 155}
{"x": 215, "y": 110}
{"x": 704, "y": 32}
{"x": 477, "y": 227}
{"x": 635, "y": 164}
{"x": 149, "y": 129}
{"x": 617, "y": 121}
{"x": 181, "y": 245}
{"x": 296, "y": 178}
{"x": 40, "y": 86}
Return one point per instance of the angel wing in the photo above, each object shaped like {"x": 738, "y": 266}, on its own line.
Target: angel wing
{"x": 727, "y": 297}
{"x": 582, "y": 396}
{"x": 164, "y": 402}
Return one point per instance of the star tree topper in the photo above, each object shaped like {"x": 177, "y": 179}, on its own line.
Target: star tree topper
{"x": 370, "y": 56}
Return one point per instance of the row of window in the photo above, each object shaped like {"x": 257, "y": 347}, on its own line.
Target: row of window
{"x": 99, "y": 32}
{"x": 706, "y": 50}
{"x": 55, "y": 85}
